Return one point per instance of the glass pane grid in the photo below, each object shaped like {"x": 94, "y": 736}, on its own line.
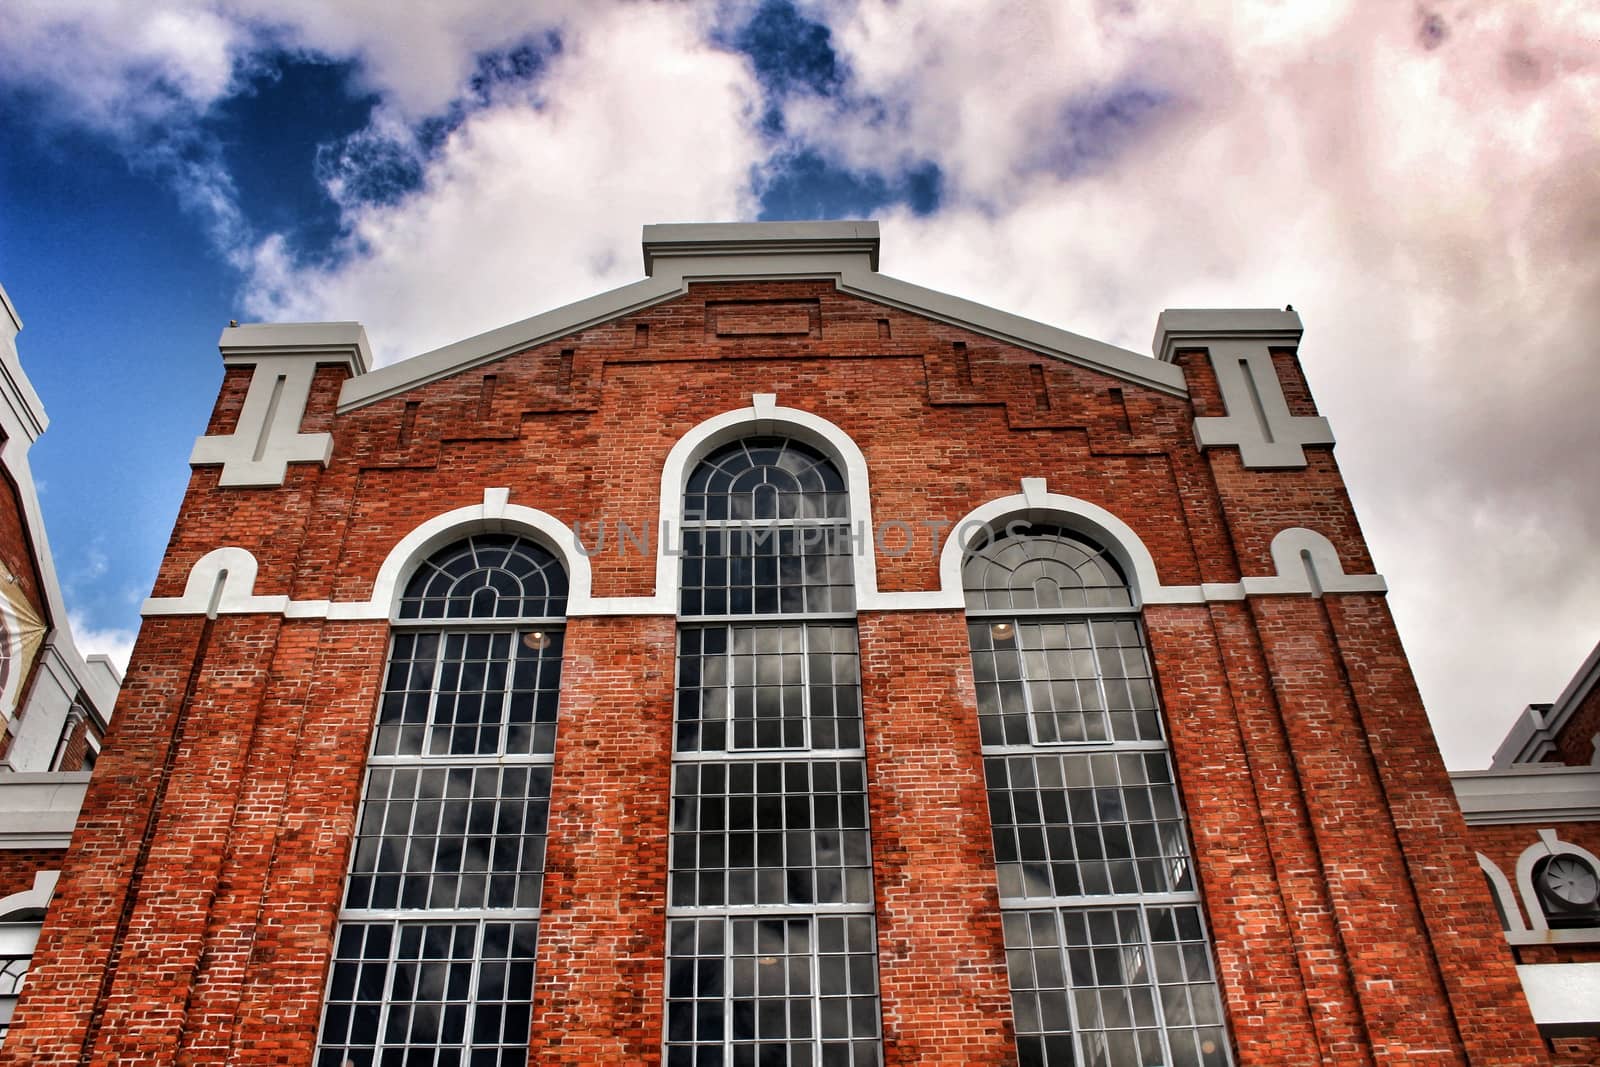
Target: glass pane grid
{"x": 487, "y": 576}
{"x": 770, "y": 833}
{"x": 772, "y": 990}
{"x": 765, "y": 478}
{"x": 451, "y": 837}
{"x": 1042, "y": 568}
{"x": 438, "y": 994}
{"x": 1108, "y": 960}
{"x": 752, "y": 688}
{"x": 471, "y": 693}
{"x": 1063, "y": 681}
{"x": 1086, "y": 824}
{"x": 766, "y": 570}
{"x": 1126, "y": 985}
{"x": 435, "y": 950}
{"x": 770, "y": 827}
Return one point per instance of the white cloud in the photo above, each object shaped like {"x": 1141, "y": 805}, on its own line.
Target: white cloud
{"x": 110, "y": 65}
{"x": 111, "y": 641}
{"x": 537, "y": 199}
{"x": 1431, "y": 213}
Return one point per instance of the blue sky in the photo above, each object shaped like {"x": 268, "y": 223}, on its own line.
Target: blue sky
{"x": 1421, "y": 182}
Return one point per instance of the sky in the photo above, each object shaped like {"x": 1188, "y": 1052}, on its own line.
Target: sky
{"x": 1421, "y": 182}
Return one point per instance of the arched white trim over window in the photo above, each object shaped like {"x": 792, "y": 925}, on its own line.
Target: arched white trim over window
{"x": 494, "y": 515}
{"x": 764, "y": 417}
{"x": 223, "y": 580}
{"x": 1036, "y": 504}
{"x": 1500, "y": 886}
{"x": 30, "y": 900}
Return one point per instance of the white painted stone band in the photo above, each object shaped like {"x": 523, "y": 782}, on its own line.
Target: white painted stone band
{"x": 223, "y": 580}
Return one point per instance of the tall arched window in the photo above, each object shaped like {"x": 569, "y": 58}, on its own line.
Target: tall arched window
{"x": 1109, "y": 961}
{"x": 771, "y": 949}
{"x": 434, "y": 954}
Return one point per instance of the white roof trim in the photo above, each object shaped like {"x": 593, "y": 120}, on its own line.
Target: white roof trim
{"x": 680, "y": 254}
{"x": 41, "y": 807}
{"x": 344, "y": 343}
{"x": 1534, "y": 793}
{"x": 1533, "y": 735}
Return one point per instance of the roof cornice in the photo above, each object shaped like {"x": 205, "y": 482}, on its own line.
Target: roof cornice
{"x": 1533, "y": 735}
{"x": 1536, "y": 793}
{"x": 344, "y": 343}
{"x": 1179, "y": 328}
{"x": 679, "y": 254}
{"x": 699, "y": 240}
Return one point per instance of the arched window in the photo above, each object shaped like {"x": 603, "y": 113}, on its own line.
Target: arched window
{"x": 1568, "y": 887}
{"x": 1106, "y": 946}
{"x": 771, "y": 947}
{"x": 434, "y": 954}
{"x": 19, "y": 933}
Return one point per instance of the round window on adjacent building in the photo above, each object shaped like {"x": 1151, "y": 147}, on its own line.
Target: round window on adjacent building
{"x": 1569, "y": 890}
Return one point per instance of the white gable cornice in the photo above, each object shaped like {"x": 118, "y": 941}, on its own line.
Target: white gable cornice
{"x": 679, "y": 254}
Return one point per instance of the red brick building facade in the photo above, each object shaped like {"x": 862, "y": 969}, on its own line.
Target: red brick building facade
{"x": 1063, "y": 670}
{"x": 1534, "y": 819}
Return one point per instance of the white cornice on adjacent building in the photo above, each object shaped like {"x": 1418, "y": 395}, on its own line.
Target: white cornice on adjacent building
{"x": 679, "y": 254}
{"x": 40, "y": 808}
{"x": 1533, "y": 736}
{"x": 1534, "y": 793}
{"x": 22, "y": 404}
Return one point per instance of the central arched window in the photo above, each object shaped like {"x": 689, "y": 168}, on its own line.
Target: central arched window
{"x": 434, "y": 954}
{"x": 771, "y": 948}
{"x": 1109, "y": 962}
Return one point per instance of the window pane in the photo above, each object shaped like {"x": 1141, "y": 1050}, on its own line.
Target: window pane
{"x": 492, "y": 576}
{"x": 454, "y": 816}
{"x": 1083, "y": 806}
{"x": 753, "y": 688}
{"x": 758, "y": 842}
{"x": 410, "y": 988}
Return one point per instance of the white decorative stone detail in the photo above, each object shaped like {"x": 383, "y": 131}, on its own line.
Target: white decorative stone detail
{"x": 1036, "y": 504}
{"x": 1307, "y": 562}
{"x": 221, "y": 582}
{"x": 1500, "y": 886}
{"x": 1239, "y": 343}
{"x": 285, "y": 357}
{"x": 268, "y": 437}
{"x": 1034, "y": 492}
{"x": 1291, "y": 549}
{"x": 36, "y": 898}
{"x": 1258, "y": 419}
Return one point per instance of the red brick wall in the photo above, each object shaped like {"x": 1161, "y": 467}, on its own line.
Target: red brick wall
{"x": 1503, "y": 845}
{"x": 941, "y": 956}
{"x": 598, "y": 988}
{"x": 1575, "y": 743}
{"x": 196, "y": 912}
